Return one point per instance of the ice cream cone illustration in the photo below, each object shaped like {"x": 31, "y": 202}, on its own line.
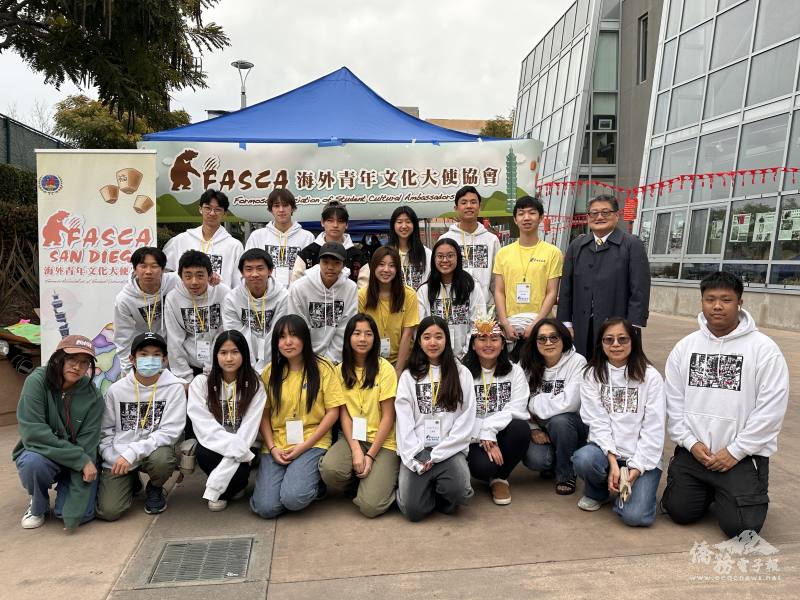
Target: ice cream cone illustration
{"x": 129, "y": 180}
{"x": 110, "y": 193}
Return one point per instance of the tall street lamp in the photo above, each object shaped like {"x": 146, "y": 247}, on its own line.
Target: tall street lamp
{"x": 243, "y": 65}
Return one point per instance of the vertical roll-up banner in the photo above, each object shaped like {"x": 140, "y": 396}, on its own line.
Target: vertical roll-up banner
{"x": 96, "y": 207}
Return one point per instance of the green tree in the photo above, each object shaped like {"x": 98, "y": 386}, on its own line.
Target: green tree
{"x": 86, "y": 123}
{"x": 134, "y": 53}
{"x": 499, "y": 127}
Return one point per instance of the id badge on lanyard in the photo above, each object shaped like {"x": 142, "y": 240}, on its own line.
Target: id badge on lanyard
{"x": 433, "y": 431}
{"x": 294, "y": 432}
{"x": 523, "y": 293}
{"x": 203, "y": 351}
{"x": 360, "y": 429}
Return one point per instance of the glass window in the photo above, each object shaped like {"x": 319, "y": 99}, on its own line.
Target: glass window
{"x": 528, "y": 70}
{"x": 686, "y": 105}
{"x": 676, "y": 231}
{"x": 790, "y": 180}
{"x": 535, "y": 132}
{"x": 545, "y": 132}
{"x": 567, "y": 118}
{"x": 693, "y": 50}
{"x": 582, "y": 14}
{"x": 574, "y": 70}
{"x": 748, "y": 273}
{"x": 664, "y": 270}
{"x": 653, "y": 168}
{"x": 787, "y": 245}
{"x": 761, "y": 147}
{"x": 728, "y": 47}
{"x": 674, "y": 18}
{"x": 562, "y": 155}
{"x": 605, "y": 65}
{"x": 604, "y": 148}
{"x": 522, "y": 79}
{"x": 561, "y": 81}
{"x": 555, "y": 126}
{"x": 522, "y": 110}
{"x": 751, "y": 227}
{"x": 697, "y": 231}
{"x": 660, "y": 120}
{"x": 787, "y": 275}
{"x": 604, "y": 106}
{"x": 569, "y": 25}
{"x": 610, "y": 10}
{"x": 585, "y": 149}
{"x": 537, "y": 58}
{"x": 645, "y": 228}
{"x": 551, "y": 160}
{"x": 723, "y": 4}
{"x": 539, "y": 107}
{"x": 641, "y": 49}
{"x": 696, "y": 11}
{"x": 558, "y": 32}
{"x": 777, "y": 20}
{"x": 678, "y": 160}
{"x": 697, "y": 271}
{"x": 717, "y": 153}
{"x": 547, "y": 48}
{"x": 531, "y": 108}
{"x": 724, "y": 91}
{"x": 550, "y": 91}
{"x": 772, "y": 73}
{"x": 667, "y": 64}
{"x": 661, "y": 233}
{"x": 706, "y": 231}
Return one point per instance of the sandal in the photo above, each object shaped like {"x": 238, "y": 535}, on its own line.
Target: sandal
{"x": 565, "y": 488}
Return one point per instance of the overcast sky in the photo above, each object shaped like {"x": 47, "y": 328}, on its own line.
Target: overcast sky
{"x": 451, "y": 58}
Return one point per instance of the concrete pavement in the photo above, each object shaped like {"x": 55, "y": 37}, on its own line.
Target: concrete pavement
{"x": 540, "y": 545}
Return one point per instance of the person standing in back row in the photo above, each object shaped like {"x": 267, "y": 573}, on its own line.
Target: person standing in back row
{"x": 606, "y": 274}
{"x": 478, "y": 245}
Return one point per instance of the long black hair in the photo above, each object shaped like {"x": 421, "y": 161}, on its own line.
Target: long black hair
{"x": 247, "y": 380}
{"x": 398, "y": 294}
{"x": 473, "y": 362}
{"x": 372, "y": 362}
{"x": 296, "y": 326}
{"x": 54, "y": 373}
{"x": 463, "y": 283}
{"x": 416, "y": 250}
{"x": 450, "y": 393}
{"x": 636, "y": 367}
{"x": 532, "y": 361}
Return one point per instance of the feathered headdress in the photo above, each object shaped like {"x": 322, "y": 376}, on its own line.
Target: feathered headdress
{"x": 486, "y": 325}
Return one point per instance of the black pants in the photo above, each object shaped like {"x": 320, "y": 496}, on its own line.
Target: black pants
{"x": 208, "y": 461}
{"x": 513, "y": 443}
{"x": 739, "y": 495}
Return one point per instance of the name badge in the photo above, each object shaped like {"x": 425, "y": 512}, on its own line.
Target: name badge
{"x": 260, "y": 347}
{"x": 386, "y": 347}
{"x": 523, "y": 293}
{"x": 203, "y": 351}
{"x": 360, "y": 429}
{"x": 294, "y": 432}
{"x": 433, "y": 431}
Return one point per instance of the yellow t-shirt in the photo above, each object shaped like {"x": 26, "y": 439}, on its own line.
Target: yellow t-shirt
{"x": 367, "y": 402}
{"x": 527, "y": 264}
{"x": 390, "y": 325}
{"x": 293, "y": 404}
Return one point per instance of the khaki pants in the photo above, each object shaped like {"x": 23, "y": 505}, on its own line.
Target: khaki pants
{"x": 376, "y": 491}
{"x": 115, "y": 494}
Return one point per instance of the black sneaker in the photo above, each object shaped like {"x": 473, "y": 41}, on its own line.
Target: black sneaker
{"x": 155, "y": 501}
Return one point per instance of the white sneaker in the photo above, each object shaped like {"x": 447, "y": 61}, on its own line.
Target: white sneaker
{"x": 31, "y": 521}
{"x": 217, "y": 505}
{"x": 589, "y": 504}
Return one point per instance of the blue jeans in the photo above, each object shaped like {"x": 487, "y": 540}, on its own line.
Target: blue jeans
{"x": 591, "y": 465}
{"x": 292, "y": 487}
{"x": 567, "y": 433}
{"x": 37, "y": 473}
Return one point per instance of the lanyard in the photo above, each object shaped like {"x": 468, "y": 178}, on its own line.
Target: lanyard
{"x": 486, "y": 390}
{"x": 230, "y": 401}
{"x": 434, "y": 388}
{"x": 447, "y": 302}
{"x": 143, "y": 422}
{"x": 205, "y": 246}
{"x": 360, "y": 394}
{"x": 199, "y": 316}
{"x": 254, "y": 312}
{"x": 283, "y": 241}
{"x": 405, "y": 267}
{"x": 301, "y": 397}
{"x": 464, "y": 248}
{"x": 523, "y": 267}
{"x": 150, "y": 312}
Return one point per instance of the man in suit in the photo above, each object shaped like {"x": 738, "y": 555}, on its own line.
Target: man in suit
{"x": 606, "y": 274}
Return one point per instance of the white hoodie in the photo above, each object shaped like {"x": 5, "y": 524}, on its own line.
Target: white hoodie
{"x": 728, "y": 392}
{"x": 231, "y": 441}
{"x": 413, "y": 276}
{"x": 325, "y": 310}
{"x": 560, "y": 391}
{"x": 136, "y": 312}
{"x": 299, "y": 268}
{"x": 626, "y": 417}
{"x": 413, "y": 404}
{"x": 224, "y": 251}
{"x": 478, "y": 250}
{"x": 460, "y": 316}
{"x": 254, "y": 318}
{"x": 282, "y": 247}
{"x": 134, "y": 429}
{"x": 192, "y": 324}
{"x": 507, "y": 400}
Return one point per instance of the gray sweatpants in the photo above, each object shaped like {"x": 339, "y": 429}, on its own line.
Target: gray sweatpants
{"x": 444, "y": 486}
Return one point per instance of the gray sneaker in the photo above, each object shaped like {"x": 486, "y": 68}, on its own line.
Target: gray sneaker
{"x": 589, "y": 504}
{"x": 30, "y": 520}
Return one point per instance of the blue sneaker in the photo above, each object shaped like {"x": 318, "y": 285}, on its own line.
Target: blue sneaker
{"x": 155, "y": 501}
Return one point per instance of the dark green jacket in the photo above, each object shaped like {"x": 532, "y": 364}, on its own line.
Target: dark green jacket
{"x": 42, "y": 428}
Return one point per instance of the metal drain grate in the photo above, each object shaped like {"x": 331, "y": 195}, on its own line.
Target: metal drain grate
{"x": 203, "y": 560}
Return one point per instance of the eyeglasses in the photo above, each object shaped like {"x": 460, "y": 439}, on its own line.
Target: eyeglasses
{"x": 622, "y": 340}
{"x": 605, "y": 213}
{"x": 83, "y": 363}
{"x": 446, "y": 257}
{"x": 210, "y": 210}
{"x": 543, "y": 339}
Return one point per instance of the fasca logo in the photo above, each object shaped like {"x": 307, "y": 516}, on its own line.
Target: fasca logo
{"x": 50, "y": 184}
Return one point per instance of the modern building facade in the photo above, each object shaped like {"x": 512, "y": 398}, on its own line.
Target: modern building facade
{"x": 675, "y": 87}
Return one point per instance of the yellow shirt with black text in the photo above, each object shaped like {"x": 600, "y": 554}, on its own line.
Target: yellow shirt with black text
{"x": 367, "y": 402}
{"x": 535, "y": 265}
{"x": 390, "y": 325}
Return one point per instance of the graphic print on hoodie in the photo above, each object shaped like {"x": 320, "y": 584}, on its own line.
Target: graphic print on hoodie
{"x": 478, "y": 250}
{"x": 282, "y": 247}
{"x": 223, "y": 249}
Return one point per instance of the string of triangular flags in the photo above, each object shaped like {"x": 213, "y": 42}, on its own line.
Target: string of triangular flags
{"x": 633, "y": 194}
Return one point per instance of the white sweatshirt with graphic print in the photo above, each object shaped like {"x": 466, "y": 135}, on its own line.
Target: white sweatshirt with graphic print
{"x": 478, "y": 250}
{"x": 560, "y": 391}
{"x": 282, "y": 247}
{"x": 459, "y": 317}
{"x": 134, "y": 427}
{"x": 626, "y": 417}
{"x": 727, "y": 392}
{"x": 223, "y": 249}
{"x": 413, "y": 405}
{"x": 498, "y": 400}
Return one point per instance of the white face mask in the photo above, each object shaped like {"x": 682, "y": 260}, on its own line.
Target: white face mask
{"x": 148, "y": 366}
